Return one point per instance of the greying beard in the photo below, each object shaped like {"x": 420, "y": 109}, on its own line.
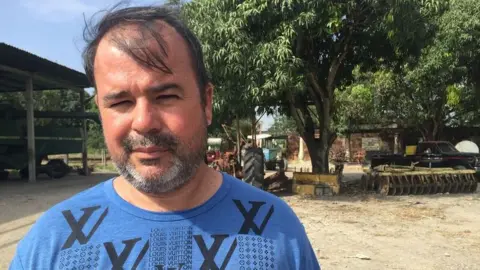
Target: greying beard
{"x": 182, "y": 168}
{"x": 177, "y": 175}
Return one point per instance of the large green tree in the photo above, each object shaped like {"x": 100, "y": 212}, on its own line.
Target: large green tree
{"x": 438, "y": 90}
{"x": 296, "y": 53}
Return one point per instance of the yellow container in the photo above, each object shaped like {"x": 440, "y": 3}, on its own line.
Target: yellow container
{"x": 313, "y": 184}
{"x": 410, "y": 150}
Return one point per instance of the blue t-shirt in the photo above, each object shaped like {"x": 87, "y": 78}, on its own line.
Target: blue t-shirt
{"x": 240, "y": 227}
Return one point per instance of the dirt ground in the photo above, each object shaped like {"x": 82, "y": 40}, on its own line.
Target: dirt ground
{"x": 363, "y": 232}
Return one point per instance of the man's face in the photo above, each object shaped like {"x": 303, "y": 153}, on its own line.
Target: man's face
{"x": 154, "y": 123}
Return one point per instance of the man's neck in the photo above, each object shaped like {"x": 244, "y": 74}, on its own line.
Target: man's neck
{"x": 198, "y": 190}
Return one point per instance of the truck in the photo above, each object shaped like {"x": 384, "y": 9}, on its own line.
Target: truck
{"x": 431, "y": 154}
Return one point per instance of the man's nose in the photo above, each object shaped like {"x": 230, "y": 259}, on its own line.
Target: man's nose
{"x": 145, "y": 119}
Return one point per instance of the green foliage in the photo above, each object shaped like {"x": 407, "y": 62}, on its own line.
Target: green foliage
{"x": 453, "y": 96}
{"x": 438, "y": 90}
{"x": 95, "y": 139}
{"x": 48, "y": 100}
{"x": 230, "y": 130}
{"x": 294, "y": 54}
{"x": 283, "y": 125}
{"x": 230, "y": 58}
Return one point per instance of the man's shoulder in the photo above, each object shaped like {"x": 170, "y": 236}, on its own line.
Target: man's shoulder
{"x": 90, "y": 196}
{"x": 252, "y": 195}
{"x": 56, "y": 215}
{"x": 265, "y": 215}
{"x": 43, "y": 238}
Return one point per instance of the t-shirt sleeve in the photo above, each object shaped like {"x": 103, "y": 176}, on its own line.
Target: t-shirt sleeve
{"x": 308, "y": 259}
{"x": 22, "y": 251}
{"x": 16, "y": 263}
{"x": 300, "y": 247}
{"x": 33, "y": 246}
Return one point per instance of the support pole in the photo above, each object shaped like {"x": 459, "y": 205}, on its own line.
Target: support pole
{"x": 84, "y": 134}
{"x": 349, "y": 147}
{"x": 30, "y": 131}
{"x": 254, "y": 130}
{"x": 239, "y": 154}
{"x": 396, "y": 146}
{"x": 301, "y": 151}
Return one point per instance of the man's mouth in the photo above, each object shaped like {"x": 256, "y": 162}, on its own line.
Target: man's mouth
{"x": 151, "y": 152}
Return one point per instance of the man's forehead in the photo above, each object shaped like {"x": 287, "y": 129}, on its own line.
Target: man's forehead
{"x": 134, "y": 31}
{"x": 116, "y": 67}
{"x": 158, "y": 40}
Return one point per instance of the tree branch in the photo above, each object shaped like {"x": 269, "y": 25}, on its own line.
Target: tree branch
{"x": 338, "y": 61}
{"x": 317, "y": 100}
{"x": 435, "y": 128}
{"x": 318, "y": 91}
{"x": 259, "y": 118}
{"x": 314, "y": 114}
{"x": 299, "y": 44}
{"x": 298, "y": 119}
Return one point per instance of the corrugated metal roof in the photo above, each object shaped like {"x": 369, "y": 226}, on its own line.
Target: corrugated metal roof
{"x": 54, "y": 76}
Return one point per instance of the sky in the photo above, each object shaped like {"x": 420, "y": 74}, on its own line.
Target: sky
{"x": 53, "y": 29}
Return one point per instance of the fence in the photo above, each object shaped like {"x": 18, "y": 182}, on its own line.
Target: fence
{"x": 94, "y": 156}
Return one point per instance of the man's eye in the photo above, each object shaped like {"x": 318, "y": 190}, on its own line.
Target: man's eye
{"x": 167, "y": 97}
{"x": 120, "y": 103}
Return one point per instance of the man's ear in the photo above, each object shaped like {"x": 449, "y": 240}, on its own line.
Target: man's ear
{"x": 209, "y": 103}
{"x": 96, "y": 104}
{"x": 96, "y": 98}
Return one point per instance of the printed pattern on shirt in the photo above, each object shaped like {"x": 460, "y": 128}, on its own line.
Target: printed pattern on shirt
{"x": 256, "y": 252}
{"x": 120, "y": 253}
{"x": 171, "y": 249}
{"x": 76, "y": 226}
{"x": 85, "y": 257}
{"x": 250, "y": 215}
{"x": 209, "y": 253}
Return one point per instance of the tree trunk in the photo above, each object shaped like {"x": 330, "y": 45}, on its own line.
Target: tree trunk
{"x": 318, "y": 155}
{"x": 323, "y": 102}
{"x": 431, "y": 130}
{"x": 318, "y": 150}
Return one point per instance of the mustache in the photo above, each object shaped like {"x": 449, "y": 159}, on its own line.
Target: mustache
{"x": 164, "y": 140}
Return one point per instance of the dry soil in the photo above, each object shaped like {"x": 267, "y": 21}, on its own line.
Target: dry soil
{"x": 362, "y": 232}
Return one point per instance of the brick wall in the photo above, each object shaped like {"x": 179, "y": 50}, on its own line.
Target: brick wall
{"x": 381, "y": 143}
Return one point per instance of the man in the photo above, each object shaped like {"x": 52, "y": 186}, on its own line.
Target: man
{"x": 167, "y": 209}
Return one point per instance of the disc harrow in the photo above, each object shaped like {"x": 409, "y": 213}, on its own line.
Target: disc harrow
{"x": 388, "y": 180}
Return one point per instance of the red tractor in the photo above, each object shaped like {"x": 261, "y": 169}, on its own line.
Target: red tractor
{"x": 226, "y": 163}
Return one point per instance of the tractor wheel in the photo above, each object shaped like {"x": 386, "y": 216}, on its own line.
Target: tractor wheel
{"x": 24, "y": 173}
{"x": 4, "y": 175}
{"x": 271, "y": 165}
{"x": 253, "y": 169}
{"x": 57, "y": 168}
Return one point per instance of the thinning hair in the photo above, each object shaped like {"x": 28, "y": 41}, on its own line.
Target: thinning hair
{"x": 146, "y": 19}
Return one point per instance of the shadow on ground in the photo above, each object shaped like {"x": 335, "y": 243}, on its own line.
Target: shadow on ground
{"x": 19, "y": 199}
